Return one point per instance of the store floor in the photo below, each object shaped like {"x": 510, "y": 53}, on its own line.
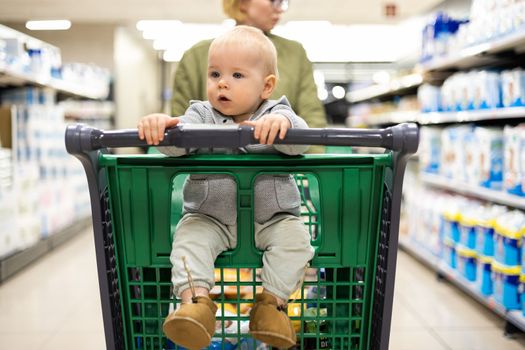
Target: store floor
{"x": 54, "y": 305}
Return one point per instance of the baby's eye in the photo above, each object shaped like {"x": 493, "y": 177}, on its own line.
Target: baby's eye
{"x": 214, "y": 74}
{"x": 238, "y": 75}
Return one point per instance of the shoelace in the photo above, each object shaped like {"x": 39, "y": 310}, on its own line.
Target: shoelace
{"x": 190, "y": 279}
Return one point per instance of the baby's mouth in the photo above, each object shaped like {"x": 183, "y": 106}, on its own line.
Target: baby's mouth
{"x": 223, "y": 98}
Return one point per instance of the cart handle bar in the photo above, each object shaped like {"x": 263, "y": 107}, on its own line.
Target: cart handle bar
{"x": 403, "y": 138}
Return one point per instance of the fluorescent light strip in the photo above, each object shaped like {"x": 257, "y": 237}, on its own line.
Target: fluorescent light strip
{"x": 60, "y": 24}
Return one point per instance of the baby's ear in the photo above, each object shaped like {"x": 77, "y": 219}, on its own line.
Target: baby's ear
{"x": 269, "y": 85}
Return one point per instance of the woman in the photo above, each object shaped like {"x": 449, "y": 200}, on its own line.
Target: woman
{"x": 295, "y": 70}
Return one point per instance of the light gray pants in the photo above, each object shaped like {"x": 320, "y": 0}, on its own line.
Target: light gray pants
{"x": 200, "y": 238}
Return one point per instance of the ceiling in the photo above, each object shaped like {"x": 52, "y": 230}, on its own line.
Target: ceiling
{"x": 203, "y": 11}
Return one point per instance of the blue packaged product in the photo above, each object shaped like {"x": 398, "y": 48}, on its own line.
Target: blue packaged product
{"x": 521, "y": 291}
{"x": 522, "y": 255}
{"x": 485, "y": 238}
{"x": 466, "y": 262}
{"x": 507, "y": 245}
{"x": 484, "y": 275}
{"x": 450, "y": 254}
{"x": 467, "y": 232}
{"x": 506, "y": 284}
{"x": 451, "y": 226}
{"x": 251, "y": 344}
{"x": 217, "y": 344}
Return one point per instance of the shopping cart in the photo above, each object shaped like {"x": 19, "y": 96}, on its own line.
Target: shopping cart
{"x": 351, "y": 205}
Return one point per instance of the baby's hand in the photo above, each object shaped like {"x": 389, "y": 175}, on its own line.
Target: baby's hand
{"x": 267, "y": 128}
{"x": 152, "y": 127}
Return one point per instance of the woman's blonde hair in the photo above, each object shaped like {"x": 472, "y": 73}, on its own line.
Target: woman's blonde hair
{"x": 253, "y": 39}
{"x": 232, "y": 9}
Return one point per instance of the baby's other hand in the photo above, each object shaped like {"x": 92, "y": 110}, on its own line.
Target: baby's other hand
{"x": 152, "y": 127}
{"x": 268, "y": 127}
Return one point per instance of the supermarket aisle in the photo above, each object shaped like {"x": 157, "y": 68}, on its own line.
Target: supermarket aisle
{"x": 54, "y": 305}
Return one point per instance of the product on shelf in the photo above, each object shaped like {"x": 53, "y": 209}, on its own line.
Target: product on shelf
{"x": 50, "y": 185}
{"x": 484, "y": 275}
{"x": 486, "y": 166}
{"x": 489, "y": 21}
{"x": 513, "y": 87}
{"x": 430, "y": 149}
{"x": 467, "y": 259}
{"x": 509, "y": 228}
{"x": 6, "y": 171}
{"x": 485, "y": 218}
{"x": 438, "y": 34}
{"x": 521, "y": 291}
{"x": 429, "y": 98}
{"x": 28, "y": 55}
{"x": 467, "y": 229}
{"x": 506, "y": 282}
{"x": 453, "y": 152}
{"x": 514, "y": 152}
{"x": 8, "y": 233}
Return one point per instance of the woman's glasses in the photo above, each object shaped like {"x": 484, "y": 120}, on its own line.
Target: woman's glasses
{"x": 280, "y": 4}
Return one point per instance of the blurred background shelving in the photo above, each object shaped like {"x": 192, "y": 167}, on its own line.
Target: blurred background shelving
{"x": 470, "y": 105}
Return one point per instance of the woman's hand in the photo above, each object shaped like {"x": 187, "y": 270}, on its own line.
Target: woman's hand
{"x": 152, "y": 127}
{"x": 268, "y": 127}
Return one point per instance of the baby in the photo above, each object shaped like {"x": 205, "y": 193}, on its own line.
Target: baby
{"x": 242, "y": 73}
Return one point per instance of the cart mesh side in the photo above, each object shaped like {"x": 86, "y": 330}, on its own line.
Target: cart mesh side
{"x": 342, "y": 206}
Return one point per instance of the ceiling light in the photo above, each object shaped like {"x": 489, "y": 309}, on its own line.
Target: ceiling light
{"x": 60, "y": 24}
{"x": 338, "y": 92}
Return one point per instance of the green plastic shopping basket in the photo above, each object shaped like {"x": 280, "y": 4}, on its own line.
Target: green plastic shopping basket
{"x": 350, "y": 205}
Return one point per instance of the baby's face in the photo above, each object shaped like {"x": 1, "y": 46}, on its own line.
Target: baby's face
{"x": 236, "y": 81}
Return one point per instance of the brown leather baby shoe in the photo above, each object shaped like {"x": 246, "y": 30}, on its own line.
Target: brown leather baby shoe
{"x": 192, "y": 325}
{"x": 270, "y": 324}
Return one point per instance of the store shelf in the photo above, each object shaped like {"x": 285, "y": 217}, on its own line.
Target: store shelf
{"x": 17, "y": 261}
{"x": 471, "y": 116}
{"x": 423, "y": 255}
{"x": 12, "y": 77}
{"x": 495, "y": 196}
{"x": 477, "y": 55}
{"x": 468, "y": 287}
{"x": 442, "y": 117}
{"x": 395, "y": 87}
{"x": 388, "y": 118}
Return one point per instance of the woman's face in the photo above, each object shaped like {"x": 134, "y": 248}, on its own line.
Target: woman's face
{"x": 262, "y": 14}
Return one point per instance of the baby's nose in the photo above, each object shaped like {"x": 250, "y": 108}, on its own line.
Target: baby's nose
{"x": 223, "y": 84}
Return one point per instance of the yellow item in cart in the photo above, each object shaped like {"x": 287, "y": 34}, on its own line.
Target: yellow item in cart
{"x": 244, "y": 308}
{"x": 294, "y": 310}
{"x": 231, "y": 275}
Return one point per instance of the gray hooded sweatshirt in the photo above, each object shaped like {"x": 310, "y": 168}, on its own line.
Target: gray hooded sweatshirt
{"x": 216, "y": 195}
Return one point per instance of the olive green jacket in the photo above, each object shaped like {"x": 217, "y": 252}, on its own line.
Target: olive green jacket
{"x": 295, "y": 80}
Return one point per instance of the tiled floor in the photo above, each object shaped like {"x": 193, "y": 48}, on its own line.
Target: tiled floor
{"x": 54, "y": 305}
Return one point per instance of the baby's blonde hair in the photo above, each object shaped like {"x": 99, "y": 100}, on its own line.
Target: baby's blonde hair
{"x": 232, "y": 9}
{"x": 251, "y": 38}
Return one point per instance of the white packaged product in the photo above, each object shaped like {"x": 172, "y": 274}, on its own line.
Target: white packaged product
{"x": 513, "y": 87}
{"x": 430, "y": 149}
{"x": 490, "y": 142}
{"x": 428, "y": 97}
{"x": 453, "y": 155}
{"x": 513, "y": 171}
